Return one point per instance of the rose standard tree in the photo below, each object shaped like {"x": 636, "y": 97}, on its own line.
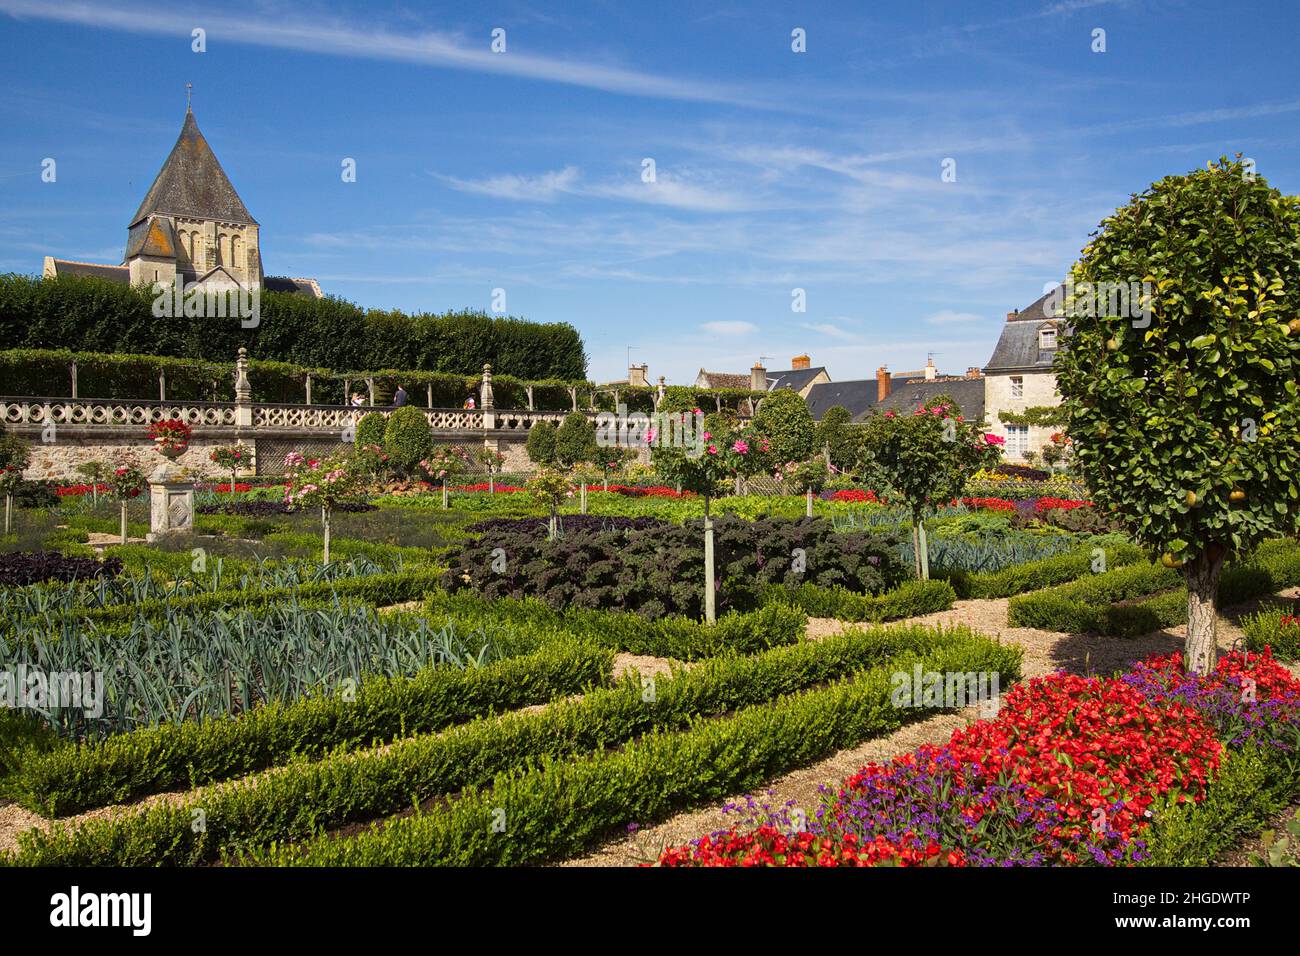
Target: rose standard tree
{"x": 321, "y": 484}
{"x": 923, "y": 461}
{"x": 702, "y": 468}
{"x": 1184, "y": 413}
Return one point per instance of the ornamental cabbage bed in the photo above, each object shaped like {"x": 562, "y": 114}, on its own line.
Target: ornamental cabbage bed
{"x": 660, "y": 570}
{"x": 1072, "y": 771}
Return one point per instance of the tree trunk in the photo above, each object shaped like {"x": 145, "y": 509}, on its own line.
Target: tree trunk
{"x": 550, "y": 527}
{"x": 325, "y": 524}
{"x": 738, "y": 485}
{"x": 924, "y": 552}
{"x": 9, "y": 513}
{"x": 808, "y": 509}
{"x": 1202, "y": 576}
{"x": 916, "y": 547}
{"x": 710, "y": 606}
{"x": 582, "y": 497}
{"x": 492, "y": 484}
{"x": 122, "y": 521}
{"x": 232, "y": 481}
{"x": 444, "y": 493}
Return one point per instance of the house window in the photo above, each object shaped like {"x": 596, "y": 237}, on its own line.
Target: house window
{"x": 1017, "y": 386}
{"x": 1047, "y": 338}
{"x": 1017, "y": 440}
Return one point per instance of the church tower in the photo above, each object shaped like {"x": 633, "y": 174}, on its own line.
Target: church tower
{"x": 192, "y": 223}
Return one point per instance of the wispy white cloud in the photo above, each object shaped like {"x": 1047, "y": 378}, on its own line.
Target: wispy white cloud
{"x": 729, "y": 328}
{"x": 341, "y": 39}
{"x": 545, "y": 187}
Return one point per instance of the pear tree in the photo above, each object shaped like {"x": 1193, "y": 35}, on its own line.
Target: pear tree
{"x": 1179, "y": 374}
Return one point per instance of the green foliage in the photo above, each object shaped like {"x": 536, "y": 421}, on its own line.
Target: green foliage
{"x": 574, "y": 804}
{"x": 371, "y": 429}
{"x": 330, "y": 333}
{"x": 1275, "y": 628}
{"x": 1041, "y": 416}
{"x": 172, "y": 756}
{"x": 408, "y": 438}
{"x": 541, "y": 443}
{"x": 784, "y": 420}
{"x": 1034, "y": 575}
{"x": 575, "y": 441}
{"x": 923, "y": 460}
{"x": 836, "y": 435}
{"x": 704, "y": 759}
{"x": 1204, "y": 401}
{"x": 910, "y": 599}
{"x": 1283, "y": 850}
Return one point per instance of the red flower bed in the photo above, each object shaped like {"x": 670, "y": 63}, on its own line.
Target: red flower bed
{"x": 73, "y": 491}
{"x": 855, "y": 496}
{"x": 240, "y": 488}
{"x": 483, "y": 486}
{"x": 652, "y": 491}
{"x": 989, "y": 504}
{"x": 1071, "y": 770}
{"x": 1065, "y": 504}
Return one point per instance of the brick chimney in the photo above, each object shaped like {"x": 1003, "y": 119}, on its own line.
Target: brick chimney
{"x": 883, "y": 383}
{"x": 931, "y": 373}
{"x": 974, "y": 372}
{"x": 636, "y": 375}
{"x": 758, "y": 378}
{"x": 800, "y": 361}
{"x": 1012, "y": 316}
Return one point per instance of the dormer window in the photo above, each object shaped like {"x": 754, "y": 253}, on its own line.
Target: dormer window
{"x": 1047, "y": 337}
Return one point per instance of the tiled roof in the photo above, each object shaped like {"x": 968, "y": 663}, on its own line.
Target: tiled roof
{"x": 726, "y": 379}
{"x": 285, "y": 284}
{"x": 968, "y": 393}
{"x": 151, "y": 237}
{"x": 856, "y": 396}
{"x": 1017, "y": 346}
{"x": 795, "y": 379}
{"x": 119, "y": 274}
{"x": 192, "y": 183}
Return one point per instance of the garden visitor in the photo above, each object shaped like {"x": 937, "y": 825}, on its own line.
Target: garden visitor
{"x": 469, "y": 402}
{"x": 358, "y": 399}
{"x": 399, "y": 397}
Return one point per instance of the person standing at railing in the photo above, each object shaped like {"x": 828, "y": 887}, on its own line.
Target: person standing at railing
{"x": 399, "y": 397}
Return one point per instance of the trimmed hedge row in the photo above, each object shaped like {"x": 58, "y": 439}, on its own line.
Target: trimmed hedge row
{"x": 1084, "y": 607}
{"x": 1253, "y": 784}
{"x": 1035, "y": 575}
{"x": 907, "y": 600}
{"x": 170, "y": 756}
{"x": 673, "y": 636}
{"x": 302, "y": 798}
{"x": 567, "y": 806}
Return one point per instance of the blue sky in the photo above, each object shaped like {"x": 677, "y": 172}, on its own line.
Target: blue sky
{"x": 775, "y": 170}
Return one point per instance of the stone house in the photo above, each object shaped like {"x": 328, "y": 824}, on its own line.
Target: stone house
{"x": 1019, "y": 374}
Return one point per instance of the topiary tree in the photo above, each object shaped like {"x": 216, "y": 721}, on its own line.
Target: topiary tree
{"x": 784, "y": 418}
{"x": 541, "y": 444}
{"x": 15, "y": 456}
{"x": 702, "y": 470}
{"x": 835, "y": 438}
{"x": 371, "y": 428}
{"x": 923, "y": 461}
{"x": 575, "y": 441}
{"x": 408, "y": 438}
{"x": 94, "y": 472}
{"x": 1184, "y": 413}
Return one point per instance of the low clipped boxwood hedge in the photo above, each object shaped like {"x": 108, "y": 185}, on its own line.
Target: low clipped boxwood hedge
{"x": 672, "y": 636}
{"x": 907, "y": 600}
{"x": 301, "y": 798}
{"x": 190, "y": 754}
{"x": 1035, "y": 575}
{"x": 658, "y": 571}
{"x": 567, "y": 806}
{"x": 1086, "y": 606}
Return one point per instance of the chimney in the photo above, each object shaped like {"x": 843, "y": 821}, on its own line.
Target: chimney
{"x": 799, "y": 361}
{"x": 930, "y": 371}
{"x": 636, "y": 375}
{"x": 1012, "y": 316}
{"x": 974, "y": 372}
{"x": 883, "y": 383}
{"x": 758, "y": 378}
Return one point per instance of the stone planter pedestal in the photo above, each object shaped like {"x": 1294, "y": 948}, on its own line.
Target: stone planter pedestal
{"x": 171, "y": 502}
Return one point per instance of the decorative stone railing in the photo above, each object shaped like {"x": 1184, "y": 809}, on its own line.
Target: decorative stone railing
{"x": 39, "y": 412}
{"x": 89, "y": 412}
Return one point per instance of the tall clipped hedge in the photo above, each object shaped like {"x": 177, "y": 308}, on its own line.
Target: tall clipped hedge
{"x": 101, "y": 316}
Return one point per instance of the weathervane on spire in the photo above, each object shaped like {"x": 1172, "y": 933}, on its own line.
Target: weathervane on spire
{"x": 189, "y": 88}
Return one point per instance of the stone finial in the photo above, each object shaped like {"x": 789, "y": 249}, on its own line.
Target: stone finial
{"x": 243, "y": 390}
{"x": 486, "y": 399}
